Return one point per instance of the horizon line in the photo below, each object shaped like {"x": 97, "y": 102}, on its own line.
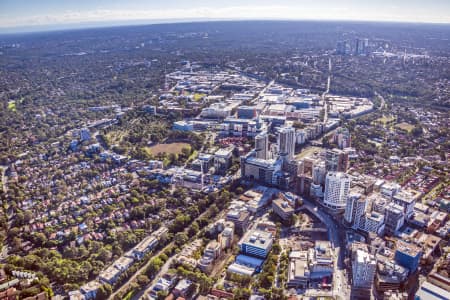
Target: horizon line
{"x": 140, "y": 22}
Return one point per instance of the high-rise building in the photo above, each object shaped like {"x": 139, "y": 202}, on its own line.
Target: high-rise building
{"x": 343, "y": 48}
{"x": 350, "y": 208}
{"x": 286, "y": 142}
{"x": 342, "y": 138}
{"x": 406, "y": 200}
{"x": 363, "y": 269}
{"x": 337, "y": 186}
{"x": 318, "y": 173}
{"x": 360, "y": 208}
{"x": 226, "y": 236}
{"x": 262, "y": 145}
{"x": 407, "y": 255}
{"x": 394, "y": 218}
{"x": 362, "y": 46}
{"x": 374, "y": 222}
{"x": 336, "y": 160}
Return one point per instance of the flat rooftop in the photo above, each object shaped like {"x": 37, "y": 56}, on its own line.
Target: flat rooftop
{"x": 257, "y": 238}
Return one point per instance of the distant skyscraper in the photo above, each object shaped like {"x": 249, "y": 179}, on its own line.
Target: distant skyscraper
{"x": 337, "y": 186}
{"x": 262, "y": 145}
{"x": 343, "y": 48}
{"x": 286, "y": 142}
{"x": 361, "y": 46}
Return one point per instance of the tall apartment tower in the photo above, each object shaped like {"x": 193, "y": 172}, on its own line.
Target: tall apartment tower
{"x": 350, "y": 208}
{"x": 336, "y": 160}
{"x": 363, "y": 268}
{"x": 262, "y": 145}
{"x": 337, "y": 187}
{"x": 286, "y": 142}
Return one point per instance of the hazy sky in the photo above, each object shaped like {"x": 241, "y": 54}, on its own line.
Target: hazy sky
{"x": 15, "y": 13}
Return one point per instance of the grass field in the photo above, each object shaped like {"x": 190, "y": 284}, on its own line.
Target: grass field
{"x": 12, "y": 105}
{"x": 174, "y": 148}
{"x": 198, "y": 96}
{"x": 385, "y": 119}
{"x": 115, "y": 137}
{"x": 405, "y": 126}
{"x": 308, "y": 151}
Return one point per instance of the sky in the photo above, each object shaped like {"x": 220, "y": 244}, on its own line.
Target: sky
{"x": 41, "y": 13}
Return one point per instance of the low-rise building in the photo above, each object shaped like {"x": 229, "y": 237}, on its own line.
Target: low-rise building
{"x": 298, "y": 270}
{"x": 146, "y": 245}
{"x": 282, "y": 209}
{"x": 256, "y": 243}
{"x": 89, "y": 290}
{"x": 112, "y": 273}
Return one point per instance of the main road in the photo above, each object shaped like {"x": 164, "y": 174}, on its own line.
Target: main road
{"x": 336, "y": 235}
{"x": 325, "y": 117}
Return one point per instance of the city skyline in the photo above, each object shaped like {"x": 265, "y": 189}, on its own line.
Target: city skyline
{"x": 50, "y": 14}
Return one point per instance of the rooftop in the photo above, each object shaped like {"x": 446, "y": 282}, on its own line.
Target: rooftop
{"x": 257, "y": 238}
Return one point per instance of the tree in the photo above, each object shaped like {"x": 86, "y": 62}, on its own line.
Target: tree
{"x": 142, "y": 280}
{"x": 242, "y": 293}
{"x": 103, "y": 292}
{"x": 417, "y": 131}
{"x": 193, "y": 229}
{"x": 180, "y": 239}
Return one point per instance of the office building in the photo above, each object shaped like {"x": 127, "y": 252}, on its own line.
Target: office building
{"x": 406, "y": 200}
{"x": 394, "y": 218}
{"x": 183, "y": 125}
{"x": 361, "y": 46}
{"x": 342, "y": 138}
{"x": 390, "y": 276}
{"x": 262, "y": 145}
{"x": 374, "y": 222}
{"x": 321, "y": 259}
{"x": 363, "y": 269}
{"x": 298, "y": 272}
{"x": 336, "y": 160}
{"x": 225, "y": 238}
{"x": 269, "y": 172}
{"x": 286, "y": 142}
{"x": 256, "y": 243}
{"x": 218, "y": 110}
{"x": 343, "y": 48}
{"x": 222, "y": 160}
{"x": 337, "y": 186}
{"x": 282, "y": 209}
{"x": 350, "y": 208}
{"x": 319, "y": 172}
{"x": 389, "y": 189}
{"x": 407, "y": 255}
{"x": 247, "y": 112}
{"x": 240, "y": 219}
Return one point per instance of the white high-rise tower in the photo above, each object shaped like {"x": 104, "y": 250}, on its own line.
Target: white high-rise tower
{"x": 262, "y": 145}
{"x": 286, "y": 142}
{"x": 337, "y": 186}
